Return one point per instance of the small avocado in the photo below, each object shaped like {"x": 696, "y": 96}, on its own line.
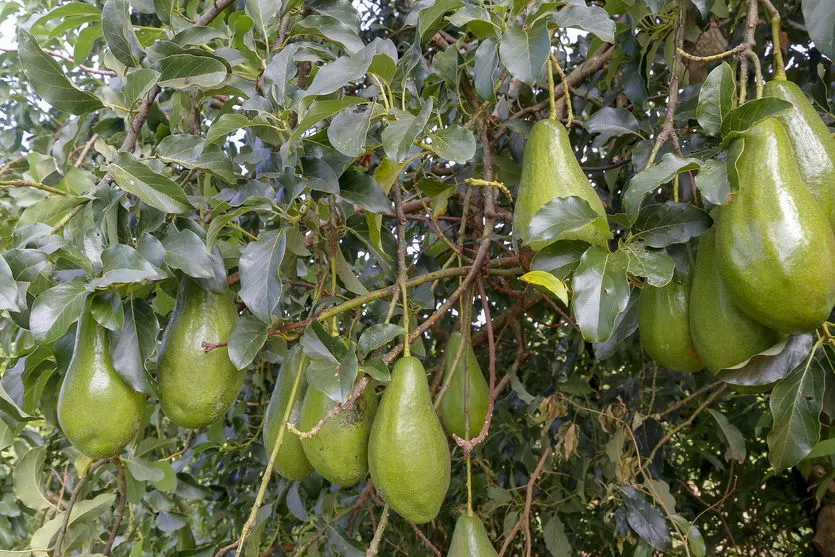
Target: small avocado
{"x": 470, "y": 539}
{"x": 291, "y": 461}
{"x": 197, "y": 387}
{"x": 467, "y": 394}
{"x": 339, "y": 451}
{"x": 408, "y": 455}
{"x": 664, "y": 325}
{"x": 97, "y": 410}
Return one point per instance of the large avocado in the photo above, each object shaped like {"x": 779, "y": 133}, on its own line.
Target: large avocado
{"x": 408, "y": 455}
{"x": 97, "y": 410}
{"x": 197, "y": 387}
{"x": 812, "y": 144}
{"x": 774, "y": 246}
{"x": 550, "y": 170}
{"x": 467, "y": 394}
{"x": 723, "y": 334}
{"x": 664, "y": 325}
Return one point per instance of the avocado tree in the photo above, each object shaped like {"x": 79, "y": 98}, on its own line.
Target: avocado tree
{"x": 455, "y": 277}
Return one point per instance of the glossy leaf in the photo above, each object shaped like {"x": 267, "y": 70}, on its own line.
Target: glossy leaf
{"x": 524, "y": 51}
{"x": 246, "y": 340}
{"x": 56, "y": 309}
{"x": 653, "y": 177}
{"x": 716, "y": 98}
{"x": 260, "y": 281}
{"x": 152, "y": 188}
{"x": 601, "y": 292}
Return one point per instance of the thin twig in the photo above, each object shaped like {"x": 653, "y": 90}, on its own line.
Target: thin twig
{"x": 751, "y": 21}
{"x": 357, "y": 391}
{"x": 28, "y": 184}
{"x": 67, "y": 58}
{"x": 429, "y": 545}
{"x": 525, "y": 518}
{"x": 120, "y": 508}
{"x": 374, "y": 548}
{"x": 87, "y": 146}
{"x": 684, "y": 401}
{"x": 62, "y": 531}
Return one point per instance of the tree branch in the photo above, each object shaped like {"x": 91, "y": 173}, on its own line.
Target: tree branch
{"x": 120, "y": 508}
{"x": 62, "y": 531}
{"x": 525, "y": 518}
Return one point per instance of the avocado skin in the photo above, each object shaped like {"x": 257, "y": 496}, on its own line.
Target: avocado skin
{"x": 550, "y": 170}
{"x": 470, "y": 539}
{"x": 339, "y": 451}
{"x": 774, "y": 246}
{"x": 454, "y": 403}
{"x": 97, "y": 410}
{"x": 811, "y": 142}
{"x": 664, "y": 323}
{"x": 291, "y": 461}
{"x": 197, "y": 387}
{"x": 723, "y": 334}
{"x": 408, "y": 455}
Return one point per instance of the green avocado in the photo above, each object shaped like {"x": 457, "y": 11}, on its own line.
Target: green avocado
{"x": 468, "y": 379}
{"x": 812, "y": 144}
{"x": 550, "y": 170}
{"x": 774, "y": 246}
{"x": 197, "y": 387}
{"x": 339, "y": 451}
{"x": 408, "y": 456}
{"x": 291, "y": 461}
{"x": 470, "y": 539}
{"x": 98, "y": 411}
{"x": 664, "y": 323}
{"x": 723, "y": 334}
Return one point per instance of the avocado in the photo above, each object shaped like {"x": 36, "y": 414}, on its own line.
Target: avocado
{"x": 467, "y": 394}
{"x": 811, "y": 142}
{"x": 470, "y": 539}
{"x": 97, "y": 410}
{"x": 339, "y": 451}
{"x": 774, "y": 246}
{"x": 723, "y": 334}
{"x": 197, "y": 387}
{"x": 664, "y": 325}
{"x": 550, "y": 170}
{"x": 291, "y": 461}
{"x": 408, "y": 456}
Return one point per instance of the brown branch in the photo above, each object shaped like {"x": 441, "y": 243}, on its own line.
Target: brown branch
{"x": 83, "y": 155}
{"x": 429, "y": 545}
{"x": 525, "y": 518}
{"x": 62, "y": 531}
{"x": 357, "y": 391}
{"x": 226, "y": 548}
{"x": 684, "y": 401}
{"x": 211, "y": 13}
{"x": 28, "y": 184}
{"x": 120, "y": 508}
{"x": 751, "y": 20}
{"x": 8, "y": 166}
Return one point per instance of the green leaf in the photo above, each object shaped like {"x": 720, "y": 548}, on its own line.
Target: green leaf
{"x": 10, "y": 298}
{"x": 118, "y": 31}
{"x": 49, "y": 211}
{"x": 716, "y": 98}
{"x": 768, "y": 367}
{"x": 430, "y": 19}
{"x": 822, "y": 448}
{"x": 654, "y": 265}
{"x": 555, "y": 539}
{"x": 229, "y": 123}
{"x": 190, "y": 151}
{"x": 741, "y": 118}
{"x": 560, "y": 258}
{"x": 593, "y": 19}
{"x": 319, "y": 110}
{"x": 138, "y": 83}
{"x": 486, "y": 68}
{"x": 376, "y": 336}
{"x": 264, "y": 14}
{"x": 694, "y": 537}
{"x": 199, "y": 35}
{"x": 663, "y": 224}
{"x": 333, "y": 367}
{"x": 548, "y": 281}
{"x": 121, "y": 264}
{"x": 157, "y": 191}
{"x": 348, "y": 131}
{"x": 524, "y": 52}
{"x": 601, "y": 292}
{"x": 131, "y": 346}
{"x": 185, "y": 250}
{"x": 820, "y": 23}
{"x": 246, "y": 339}
{"x": 259, "y": 267}
{"x": 455, "y": 143}
{"x": 330, "y": 28}
{"x": 399, "y": 135}
{"x": 87, "y": 510}
{"x": 796, "y": 404}
{"x": 712, "y": 181}
{"x": 336, "y": 74}
{"x": 28, "y": 479}
{"x": 181, "y": 71}
{"x": 732, "y": 435}
{"x": 362, "y": 189}
{"x": 561, "y": 215}
{"x": 106, "y": 308}
{"x": 68, "y": 10}
{"x": 611, "y": 122}
{"x": 56, "y": 309}
{"x": 49, "y": 81}
{"x": 653, "y": 177}
{"x": 646, "y": 520}
{"x": 143, "y": 471}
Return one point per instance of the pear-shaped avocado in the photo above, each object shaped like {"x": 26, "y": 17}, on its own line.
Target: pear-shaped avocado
{"x": 291, "y": 461}
{"x": 550, "y": 170}
{"x": 774, "y": 246}
{"x": 723, "y": 334}
{"x": 812, "y": 144}
{"x": 408, "y": 456}
{"x": 197, "y": 387}
{"x": 98, "y": 411}
{"x": 339, "y": 451}
{"x": 470, "y": 539}
{"x": 467, "y": 393}
{"x": 664, "y": 323}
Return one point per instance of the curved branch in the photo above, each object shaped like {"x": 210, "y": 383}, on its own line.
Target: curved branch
{"x": 62, "y": 531}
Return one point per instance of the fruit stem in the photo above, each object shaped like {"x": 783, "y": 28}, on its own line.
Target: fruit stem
{"x": 777, "y": 44}
{"x": 469, "y": 486}
{"x": 565, "y": 88}
{"x": 268, "y": 471}
{"x": 378, "y": 534}
{"x": 401, "y": 263}
{"x": 552, "y": 104}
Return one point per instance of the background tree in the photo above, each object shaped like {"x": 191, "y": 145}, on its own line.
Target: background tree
{"x": 346, "y": 169}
